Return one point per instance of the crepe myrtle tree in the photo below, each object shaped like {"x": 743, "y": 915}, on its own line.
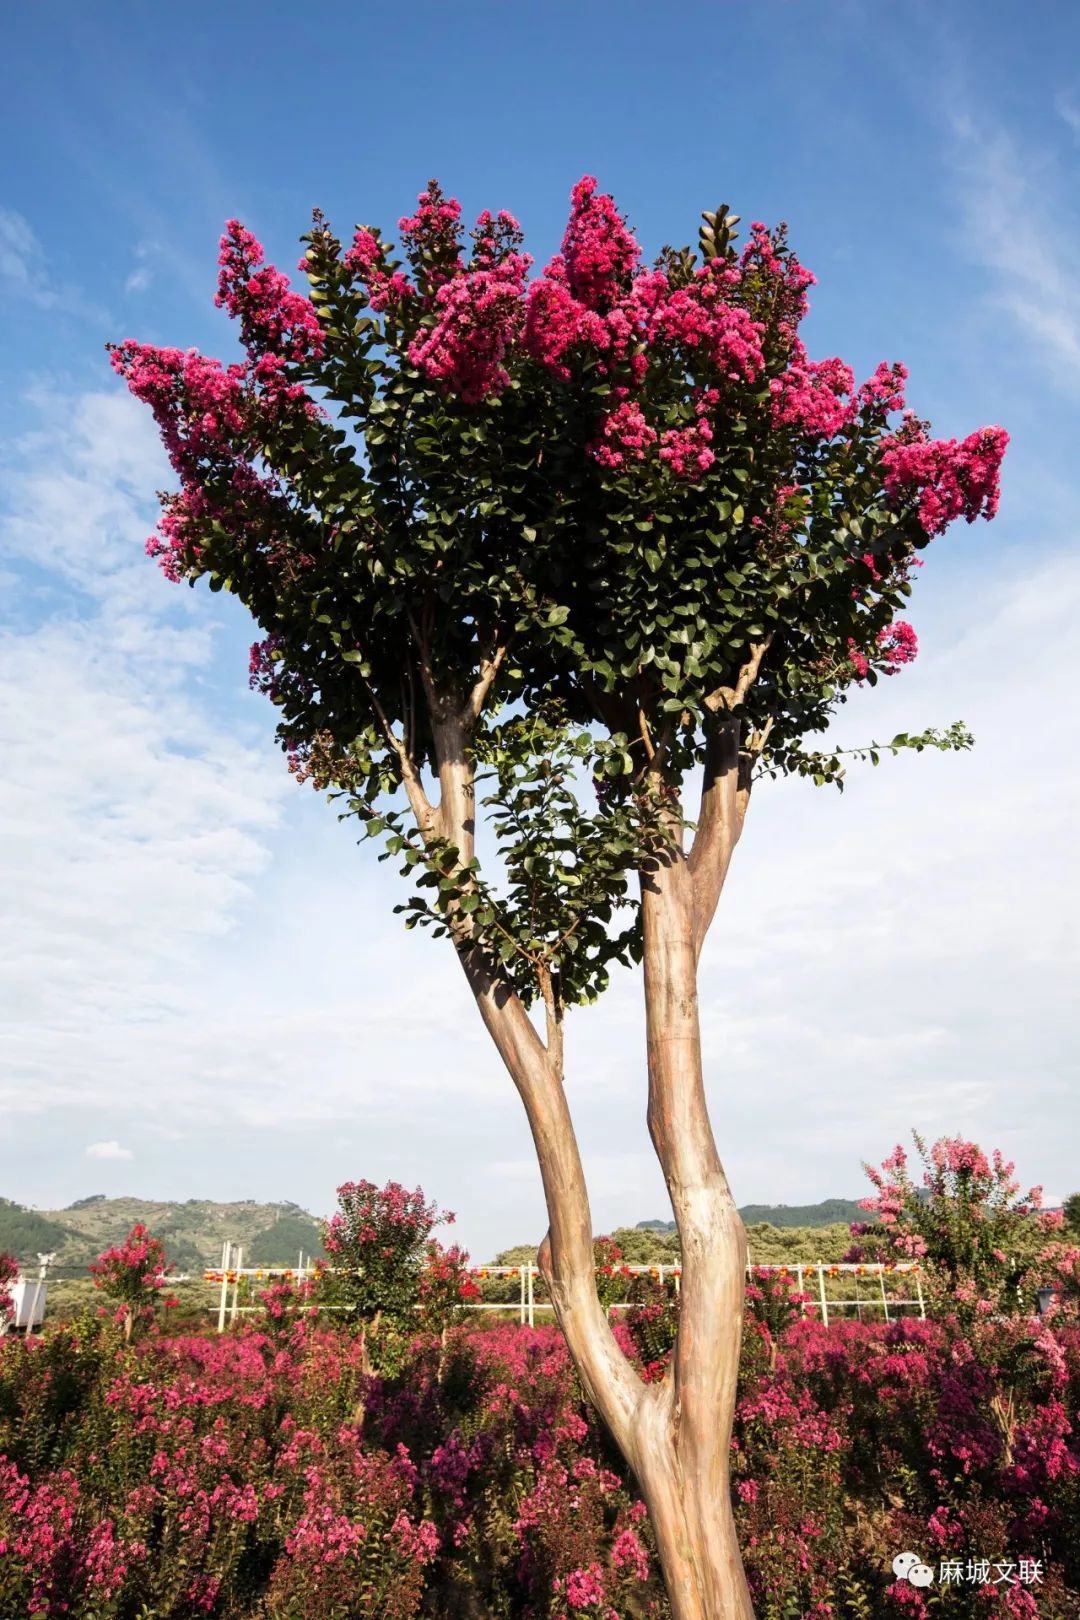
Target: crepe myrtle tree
{"x": 535, "y": 558}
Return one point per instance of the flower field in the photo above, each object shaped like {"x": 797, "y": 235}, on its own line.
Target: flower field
{"x": 266, "y": 1473}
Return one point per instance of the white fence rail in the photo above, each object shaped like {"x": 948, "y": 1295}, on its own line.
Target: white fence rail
{"x": 232, "y": 1273}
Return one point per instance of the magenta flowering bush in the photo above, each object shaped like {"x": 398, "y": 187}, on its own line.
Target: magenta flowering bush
{"x": 774, "y": 1301}
{"x": 966, "y": 1219}
{"x": 613, "y": 1275}
{"x": 9, "y": 1270}
{"x": 387, "y": 1274}
{"x": 132, "y": 1275}
{"x": 1057, "y": 1267}
{"x": 265, "y": 1474}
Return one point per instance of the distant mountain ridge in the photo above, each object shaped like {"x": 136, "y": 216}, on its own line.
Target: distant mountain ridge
{"x": 829, "y": 1212}
{"x": 270, "y": 1234}
{"x": 193, "y": 1232}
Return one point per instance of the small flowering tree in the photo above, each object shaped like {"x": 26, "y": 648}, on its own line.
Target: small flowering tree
{"x": 775, "y": 1301}
{"x": 534, "y": 560}
{"x": 445, "y": 1287}
{"x": 9, "y": 1270}
{"x": 386, "y": 1270}
{"x": 613, "y": 1275}
{"x": 132, "y": 1275}
{"x": 965, "y": 1217}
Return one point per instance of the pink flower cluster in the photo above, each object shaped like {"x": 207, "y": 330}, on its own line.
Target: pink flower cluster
{"x": 702, "y": 317}
{"x": 478, "y": 314}
{"x": 274, "y": 320}
{"x": 262, "y": 665}
{"x": 813, "y": 396}
{"x": 599, "y": 253}
{"x": 201, "y": 406}
{"x": 9, "y": 1271}
{"x": 214, "y": 419}
{"x": 387, "y": 289}
{"x": 687, "y": 451}
{"x": 896, "y": 645}
{"x": 132, "y": 1274}
{"x": 947, "y": 478}
{"x": 624, "y": 435}
{"x": 58, "y": 1555}
{"x": 432, "y": 237}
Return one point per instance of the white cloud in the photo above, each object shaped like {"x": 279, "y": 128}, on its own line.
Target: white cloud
{"x": 20, "y": 252}
{"x": 108, "y": 1150}
{"x": 142, "y": 275}
{"x": 24, "y": 269}
{"x": 1068, "y": 109}
{"x": 1019, "y": 221}
{"x": 134, "y": 818}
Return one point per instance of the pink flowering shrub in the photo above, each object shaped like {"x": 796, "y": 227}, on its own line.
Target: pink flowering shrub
{"x": 445, "y": 1286}
{"x": 966, "y": 1220}
{"x": 267, "y": 1474}
{"x": 132, "y": 1275}
{"x": 773, "y": 1300}
{"x": 1056, "y": 1267}
{"x": 9, "y": 1270}
{"x": 387, "y": 1274}
{"x": 613, "y": 1276}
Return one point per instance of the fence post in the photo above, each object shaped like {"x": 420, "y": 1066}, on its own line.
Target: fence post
{"x": 236, "y": 1285}
{"x": 918, "y": 1290}
{"x": 521, "y": 1310}
{"x": 884, "y": 1297}
{"x": 532, "y": 1316}
{"x": 226, "y": 1249}
{"x": 802, "y": 1290}
{"x": 821, "y": 1293}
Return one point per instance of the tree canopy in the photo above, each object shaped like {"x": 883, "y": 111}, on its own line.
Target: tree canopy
{"x": 606, "y": 524}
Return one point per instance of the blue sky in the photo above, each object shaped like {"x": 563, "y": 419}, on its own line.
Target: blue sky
{"x": 205, "y": 991}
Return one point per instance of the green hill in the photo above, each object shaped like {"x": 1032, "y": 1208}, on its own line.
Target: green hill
{"x": 25, "y": 1233}
{"x": 193, "y": 1232}
{"x": 651, "y": 1244}
{"x": 830, "y": 1212}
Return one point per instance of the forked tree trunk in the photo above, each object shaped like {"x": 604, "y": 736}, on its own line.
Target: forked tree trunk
{"x": 675, "y": 1434}
{"x": 684, "y": 1474}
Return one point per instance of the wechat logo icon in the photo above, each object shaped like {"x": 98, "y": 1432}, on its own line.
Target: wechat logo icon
{"x": 908, "y": 1566}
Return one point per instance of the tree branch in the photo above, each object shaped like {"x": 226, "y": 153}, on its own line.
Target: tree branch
{"x": 725, "y": 792}
{"x": 719, "y": 825}
{"x": 553, "y": 1012}
{"x": 729, "y": 697}
{"x": 422, "y": 808}
{"x": 426, "y": 675}
{"x": 489, "y": 668}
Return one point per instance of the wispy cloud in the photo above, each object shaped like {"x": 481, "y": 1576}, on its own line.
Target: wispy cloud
{"x": 143, "y": 274}
{"x": 1020, "y": 222}
{"x": 135, "y": 818}
{"x": 25, "y": 271}
{"x": 1067, "y": 107}
{"x": 108, "y": 1150}
{"x": 21, "y": 258}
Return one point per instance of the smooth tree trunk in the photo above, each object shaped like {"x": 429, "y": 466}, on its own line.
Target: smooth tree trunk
{"x": 685, "y": 1477}
{"x": 675, "y": 1434}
